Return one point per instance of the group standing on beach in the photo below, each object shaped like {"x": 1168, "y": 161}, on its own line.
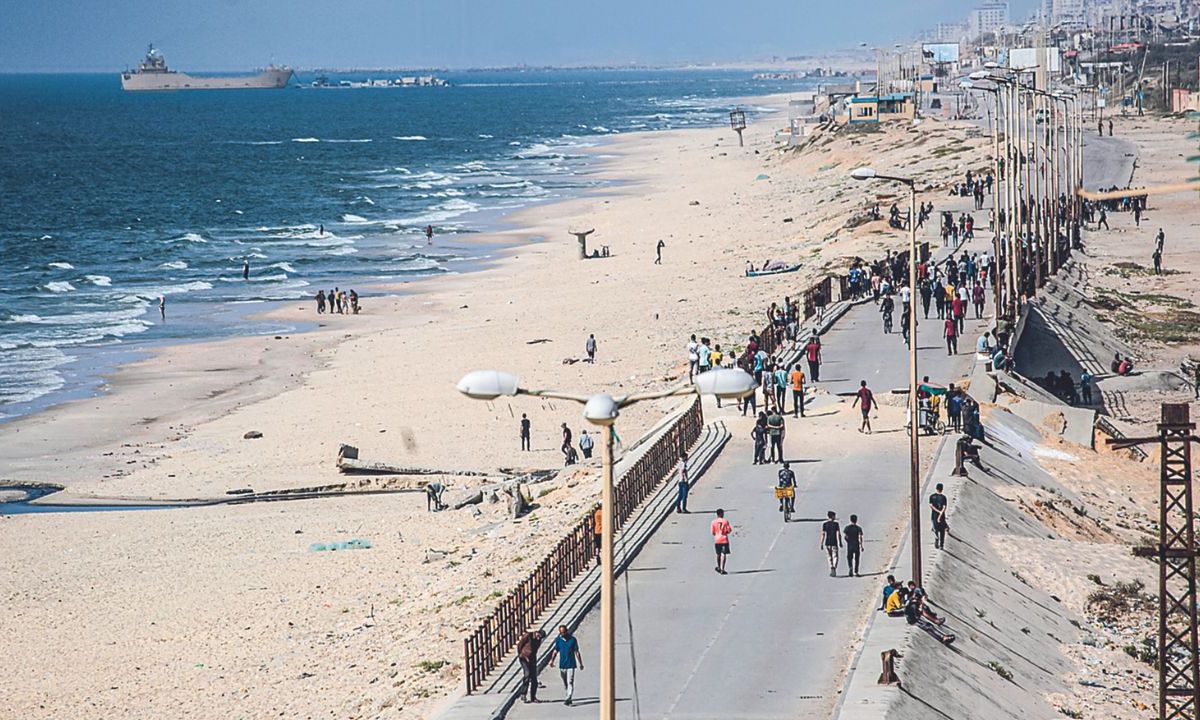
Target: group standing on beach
{"x": 337, "y": 301}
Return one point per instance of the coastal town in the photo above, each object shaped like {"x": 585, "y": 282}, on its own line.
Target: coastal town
{"x": 870, "y": 399}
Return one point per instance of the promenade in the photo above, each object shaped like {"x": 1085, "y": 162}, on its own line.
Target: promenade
{"x": 772, "y": 638}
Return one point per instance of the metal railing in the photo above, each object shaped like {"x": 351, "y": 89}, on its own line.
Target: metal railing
{"x": 498, "y": 634}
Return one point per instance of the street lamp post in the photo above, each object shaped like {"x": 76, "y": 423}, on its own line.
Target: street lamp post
{"x": 603, "y": 409}
{"x": 995, "y": 91}
{"x": 866, "y": 173}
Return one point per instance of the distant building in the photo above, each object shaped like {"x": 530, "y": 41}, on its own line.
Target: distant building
{"x": 990, "y": 17}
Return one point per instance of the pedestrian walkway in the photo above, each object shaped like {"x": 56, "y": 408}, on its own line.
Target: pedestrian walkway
{"x": 771, "y": 638}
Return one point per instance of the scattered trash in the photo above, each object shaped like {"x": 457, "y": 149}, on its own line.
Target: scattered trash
{"x": 252, "y": 435}
{"x": 694, "y": 202}
{"x": 763, "y": 177}
{"x": 354, "y": 544}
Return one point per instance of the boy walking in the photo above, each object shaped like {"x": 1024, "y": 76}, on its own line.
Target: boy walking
{"x": 566, "y": 650}
{"x": 831, "y": 540}
{"x": 721, "y": 530}
{"x": 866, "y": 400}
{"x": 853, "y": 533}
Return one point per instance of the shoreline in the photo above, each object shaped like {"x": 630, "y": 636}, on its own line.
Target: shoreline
{"x": 192, "y": 382}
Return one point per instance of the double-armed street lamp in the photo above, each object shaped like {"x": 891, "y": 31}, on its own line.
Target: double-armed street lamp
{"x": 603, "y": 409}
{"x": 866, "y": 173}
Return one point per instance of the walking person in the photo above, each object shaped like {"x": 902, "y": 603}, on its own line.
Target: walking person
{"x": 586, "y": 444}
{"x": 813, "y": 352}
{"x": 524, "y": 432}
{"x": 245, "y": 269}
{"x": 566, "y": 649}
{"x": 831, "y": 540}
{"x": 527, "y": 652}
{"x": 590, "y": 346}
{"x": 683, "y": 486}
{"x": 866, "y": 399}
{"x": 566, "y": 448}
{"x": 950, "y": 332}
{"x": 937, "y": 504}
{"x": 759, "y": 435}
{"x": 693, "y": 352}
{"x": 658, "y": 252}
{"x": 853, "y": 533}
{"x": 797, "y": 379}
{"x": 721, "y": 530}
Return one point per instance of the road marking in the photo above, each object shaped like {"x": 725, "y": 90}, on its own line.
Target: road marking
{"x": 724, "y": 621}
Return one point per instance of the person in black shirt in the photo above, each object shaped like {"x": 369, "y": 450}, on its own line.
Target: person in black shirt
{"x": 831, "y": 540}
{"x": 937, "y": 506}
{"x": 854, "y": 541}
{"x": 524, "y": 431}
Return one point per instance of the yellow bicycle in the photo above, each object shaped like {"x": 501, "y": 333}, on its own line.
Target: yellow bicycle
{"x": 786, "y": 495}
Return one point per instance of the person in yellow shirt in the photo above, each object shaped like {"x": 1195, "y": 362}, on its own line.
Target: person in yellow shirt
{"x": 797, "y": 380}
{"x": 894, "y": 604}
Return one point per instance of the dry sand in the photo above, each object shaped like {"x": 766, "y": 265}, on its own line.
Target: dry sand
{"x": 224, "y": 612}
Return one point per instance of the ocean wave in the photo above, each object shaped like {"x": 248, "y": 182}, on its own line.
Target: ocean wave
{"x": 59, "y": 286}
{"x": 191, "y": 237}
{"x": 306, "y": 140}
{"x": 351, "y": 140}
{"x": 409, "y": 137}
{"x": 101, "y": 280}
{"x": 255, "y": 142}
{"x": 286, "y": 267}
{"x": 514, "y": 143}
{"x": 175, "y": 265}
{"x": 348, "y": 218}
{"x": 344, "y": 250}
{"x": 485, "y": 136}
{"x": 364, "y": 199}
{"x": 61, "y": 265}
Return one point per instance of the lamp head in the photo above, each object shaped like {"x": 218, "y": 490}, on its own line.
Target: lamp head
{"x": 601, "y": 410}
{"x": 863, "y": 173}
{"x": 980, "y": 75}
{"x": 725, "y": 383}
{"x": 488, "y": 384}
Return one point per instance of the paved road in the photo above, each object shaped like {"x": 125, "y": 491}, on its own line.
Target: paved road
{"x": 768, "y": 640}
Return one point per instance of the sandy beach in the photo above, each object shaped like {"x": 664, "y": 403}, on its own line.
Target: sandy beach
{"x": 226, "y": 612}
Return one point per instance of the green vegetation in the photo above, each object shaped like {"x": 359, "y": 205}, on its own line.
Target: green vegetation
{"x": 1071, "y": 713}
{"x": 1001, "y": 670}
{"x": 1095, "y": 578}
{"x": 432, "y": 665}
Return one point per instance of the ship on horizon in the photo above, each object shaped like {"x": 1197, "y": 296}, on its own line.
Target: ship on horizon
{"x": 152, "y": 74}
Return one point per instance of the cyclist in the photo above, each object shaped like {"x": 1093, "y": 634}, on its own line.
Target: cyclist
{"x": 787, "y": 479}
{"x": 887, "y": 306}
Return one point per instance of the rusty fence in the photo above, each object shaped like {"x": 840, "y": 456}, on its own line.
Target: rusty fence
{"x": 498, "y": 634}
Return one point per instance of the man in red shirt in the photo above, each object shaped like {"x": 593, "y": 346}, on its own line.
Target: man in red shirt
{"x": 951, "y": 335}
{"x": 813, "y": 352}
{"x": 866, "y": 399}
{"x": 721, "y": 530}
{"x": 957, "y": 309}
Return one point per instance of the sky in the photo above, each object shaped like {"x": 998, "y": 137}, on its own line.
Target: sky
{"x": 90, "y": 35}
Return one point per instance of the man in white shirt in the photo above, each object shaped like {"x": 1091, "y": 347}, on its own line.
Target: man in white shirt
{"x": 693, "y": 356}
{"x": 984, "y": 346}
{"x": 905, "y": 294}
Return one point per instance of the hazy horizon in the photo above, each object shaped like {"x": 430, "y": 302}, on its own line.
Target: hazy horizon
{"x": 232, "y": 35}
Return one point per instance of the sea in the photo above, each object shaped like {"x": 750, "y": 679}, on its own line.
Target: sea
{"x": 111, "y": 201}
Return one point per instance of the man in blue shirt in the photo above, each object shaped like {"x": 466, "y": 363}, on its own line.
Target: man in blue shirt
{"x": 566, "y": 650}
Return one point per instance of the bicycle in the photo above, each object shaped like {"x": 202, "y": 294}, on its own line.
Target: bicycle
{"x": 786, "y": 496}
{"x": 887, "y": 323}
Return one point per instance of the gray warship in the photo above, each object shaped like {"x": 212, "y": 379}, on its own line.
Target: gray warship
{"x": 152, "y": 74}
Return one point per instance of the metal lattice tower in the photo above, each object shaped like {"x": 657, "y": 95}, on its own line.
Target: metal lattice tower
{"x": 1178, "y": 666}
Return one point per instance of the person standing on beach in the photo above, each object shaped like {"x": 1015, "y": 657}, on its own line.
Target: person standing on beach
{"x": 683, "y": 486}
{"x": 693, "y": 353}
{"x": 866, "y": 399}
{"x": 721, "y": 530}
{"x": 245, "y": 269}
{"x": 527, "y": 651}
{"x": 831, "y": 540}
{"x": 320, "y": 302}
{"x": 813, "y": 352}
{"x": 937, "y": 504}
{"x": 566, "y": 440}
{"x": 853, "y": 533}
{"x": 590, "y": 347}
{"x": 658, "y": 252}
{"x": 1159, "y": 239}
{"x": 428, "y": 234}
{"x": 524, "y": 432}
{"x": 162, "y": 306}
{"x": 586, "y": 445}
{"x": 566, "y": 649}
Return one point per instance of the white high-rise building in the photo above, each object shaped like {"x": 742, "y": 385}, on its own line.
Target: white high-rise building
{"x": 988, "y": 18}
{"x": 1064, "y": 11}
